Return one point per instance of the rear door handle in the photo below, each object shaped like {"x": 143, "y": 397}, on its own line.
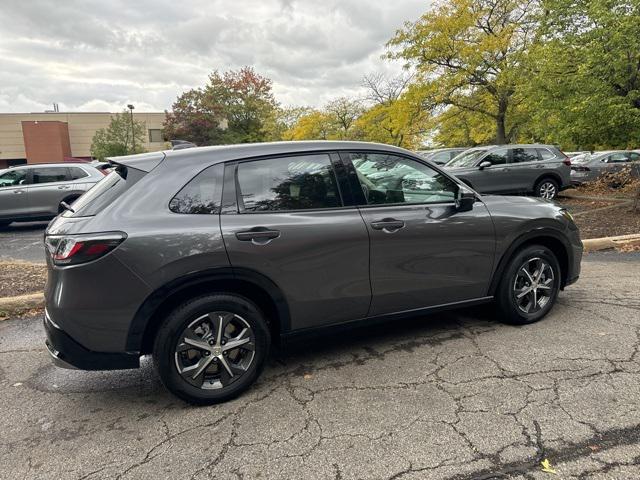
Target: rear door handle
{"x": 388, "y": 225}
{"x": 63, "y": 187}
{"x": 257, "y": 235}
{"x": 18, "y": 191}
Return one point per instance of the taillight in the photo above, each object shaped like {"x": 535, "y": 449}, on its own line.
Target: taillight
{"x": 567, "y": 160}
{"x": 76, "y": 249}
{"x": 580, "y": 169}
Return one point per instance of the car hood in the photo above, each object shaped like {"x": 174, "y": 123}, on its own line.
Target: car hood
{"x": 459, "y": 170}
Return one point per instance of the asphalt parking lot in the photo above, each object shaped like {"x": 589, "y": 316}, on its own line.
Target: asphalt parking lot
{"x": 451, "y": 396}
{"x": 23, "y": 241}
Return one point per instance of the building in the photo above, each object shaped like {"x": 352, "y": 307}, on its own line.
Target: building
{"x": 57, "y": 136}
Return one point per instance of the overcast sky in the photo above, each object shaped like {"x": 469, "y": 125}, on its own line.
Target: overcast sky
{"x": 101, "y": 55}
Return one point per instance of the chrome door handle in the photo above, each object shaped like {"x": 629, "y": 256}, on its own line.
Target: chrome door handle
{"x": 18, "y": 191}
{"x": 63, "y": 187}
{"x": 258, "y": 234}
{"x": 388, "y": 225}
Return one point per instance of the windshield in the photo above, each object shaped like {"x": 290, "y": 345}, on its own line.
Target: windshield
{"x": 466, "y": 159}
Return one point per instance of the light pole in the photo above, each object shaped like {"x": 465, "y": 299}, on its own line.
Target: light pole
{"x": 133, "y": 132}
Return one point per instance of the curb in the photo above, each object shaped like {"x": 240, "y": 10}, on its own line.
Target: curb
{"x": 605, "y": 243}
{"x": 14, "y": 306}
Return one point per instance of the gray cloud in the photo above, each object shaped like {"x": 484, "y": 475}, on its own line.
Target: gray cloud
{"x": 97, "y": 55}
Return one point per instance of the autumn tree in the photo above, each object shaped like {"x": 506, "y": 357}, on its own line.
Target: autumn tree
{"x": 233, "y": 107}
{"x": 119, "y": 138}
{"x": 469, "y": 53}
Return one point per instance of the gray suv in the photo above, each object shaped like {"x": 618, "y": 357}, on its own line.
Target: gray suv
{"x": 539, "y": 169}
{"x": 209, "y": 254}
{"x": 35, "y": 192}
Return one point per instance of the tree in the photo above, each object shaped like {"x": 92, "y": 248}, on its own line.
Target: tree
{"x": 315, "y": 125}
{"x": 233, "y": 107}
{"x": 343, "y": 112}
{"x": 585, "y": 74}
{"x": 117, "y": 139}
{"x": 469, "y": 54}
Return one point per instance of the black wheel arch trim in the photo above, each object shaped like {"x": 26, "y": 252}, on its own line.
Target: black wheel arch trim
{"x": 149, "y": 307}
{"x": 537, "y": 233}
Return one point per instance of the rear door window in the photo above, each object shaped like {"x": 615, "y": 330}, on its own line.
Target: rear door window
{"x": 288, "y": 183}
{"x": 546, "y": 154}
{"x": 524, "y": 154}
{"x": 48, "y": 175}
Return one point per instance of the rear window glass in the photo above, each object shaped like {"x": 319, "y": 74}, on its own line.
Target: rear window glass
{"x": 202, "y": 194}
{"x": 103, "y": 193}
{"x": 546, "y": 154}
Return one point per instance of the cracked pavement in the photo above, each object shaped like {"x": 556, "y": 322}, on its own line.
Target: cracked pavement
{"x": 451, "y": 396}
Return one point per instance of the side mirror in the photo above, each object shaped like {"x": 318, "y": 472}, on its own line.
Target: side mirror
{"x": 465, "y": 199}
{"x": 484, "y": 164}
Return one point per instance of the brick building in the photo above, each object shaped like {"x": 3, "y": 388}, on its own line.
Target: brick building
{"x": 56, "y": 136}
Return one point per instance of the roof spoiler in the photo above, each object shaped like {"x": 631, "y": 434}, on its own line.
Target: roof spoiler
{"x": 181, "y": 144}
{"x": 143, "y": 161}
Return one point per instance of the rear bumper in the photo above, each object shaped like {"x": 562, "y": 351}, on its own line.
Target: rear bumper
{"x": 67, "y": 353}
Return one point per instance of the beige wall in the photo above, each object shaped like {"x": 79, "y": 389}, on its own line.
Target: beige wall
{"x": 82, "y": 126}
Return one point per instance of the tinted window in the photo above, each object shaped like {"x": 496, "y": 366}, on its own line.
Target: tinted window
{"x": 13, "y": 177}
{"x": 103, "y": 193}
{"x": 49, "y": 174}
{"x": 290, "y": 183}
{"x": 521, "y": 155}
{"x": 634, "y": 156}
{"x": 441, "y": 157}
{"x": 499, "y": 157}
{"x": 200, "y": 195}
{"x": 618, "y": 157}
{"x": 76, "y": 172}
{"x": 401, "y": 180}
{"x": 546, "y": 154}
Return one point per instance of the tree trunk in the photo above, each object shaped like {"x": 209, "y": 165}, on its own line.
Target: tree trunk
{"x": 501, "y": 131}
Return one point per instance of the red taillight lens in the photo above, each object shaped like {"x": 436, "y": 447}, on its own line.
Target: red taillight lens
{"x": 75, "y": 249}
{"x": 567, "y": 160}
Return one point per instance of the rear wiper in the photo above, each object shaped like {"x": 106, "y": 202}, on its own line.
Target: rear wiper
{"x": 66, "y": 206}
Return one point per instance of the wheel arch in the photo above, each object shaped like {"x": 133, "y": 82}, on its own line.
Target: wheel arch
{"x": 549, "y": 238}
{"x": 247, "y": 283}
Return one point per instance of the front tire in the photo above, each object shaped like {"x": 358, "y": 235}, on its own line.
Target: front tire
{"x": 211, "y": 348}
{"x": 529, "y": 286}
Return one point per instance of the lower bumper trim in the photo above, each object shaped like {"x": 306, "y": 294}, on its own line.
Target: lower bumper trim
{"x": 67, "y": 353}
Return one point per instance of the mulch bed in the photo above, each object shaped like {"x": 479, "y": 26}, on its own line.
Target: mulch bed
{"x": 579, "y": 205}
{"x": 609, "y": 223}
{"x": 20, "y": 278}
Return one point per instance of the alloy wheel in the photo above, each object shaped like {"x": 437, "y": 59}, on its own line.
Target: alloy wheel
{"x": 215, "y": 350}
{"x": 534, "y": 285}
{"x": 547, "y": 190}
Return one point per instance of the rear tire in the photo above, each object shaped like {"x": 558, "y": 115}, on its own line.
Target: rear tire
{"x": 547, "y": 188}
{"x": 529, "y": 286}
{"x": 203, "y": 363}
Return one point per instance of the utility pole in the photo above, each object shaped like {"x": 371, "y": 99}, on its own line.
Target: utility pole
{"x": 133, "y": 132}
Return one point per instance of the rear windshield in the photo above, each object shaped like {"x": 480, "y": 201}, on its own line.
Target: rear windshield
{"x": 103, "y": 193}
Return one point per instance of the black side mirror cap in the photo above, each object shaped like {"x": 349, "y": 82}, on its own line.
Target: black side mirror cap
{"x": 465, "y": 199}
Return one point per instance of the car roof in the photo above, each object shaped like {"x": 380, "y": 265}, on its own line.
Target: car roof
{"x": 223, "y": 153}
{"x": 63, "y": 164}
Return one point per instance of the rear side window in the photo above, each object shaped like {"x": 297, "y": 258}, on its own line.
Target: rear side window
{"x": 76, "y": 172}
{"x": 49, "y": 174}
{"x": 546, "y": 154}
{"x": 202, "y": 194}
{"x": 105, "y": 192}
{"x": 288, "y": 183}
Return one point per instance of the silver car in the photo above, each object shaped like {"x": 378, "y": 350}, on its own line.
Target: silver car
{"x": 35, "y": 192}
{"x": 539, "y": 169}
{"x": 588, "y": 167}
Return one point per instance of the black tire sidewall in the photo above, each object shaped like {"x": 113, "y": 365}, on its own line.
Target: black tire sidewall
{"x": 506, "y": 304}
{"x": 177, "y": 321}
{"x": 547, "y": 180}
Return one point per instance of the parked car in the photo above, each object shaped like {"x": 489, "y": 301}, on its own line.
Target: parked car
{"x": 575, "y": 154}
{"x": 539, "y": 169}
{"x": 35, "y": 192}
{"x": 589, "y": 167}
{"x": 211, "y": 253}
{"x": 440, "y": 156}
